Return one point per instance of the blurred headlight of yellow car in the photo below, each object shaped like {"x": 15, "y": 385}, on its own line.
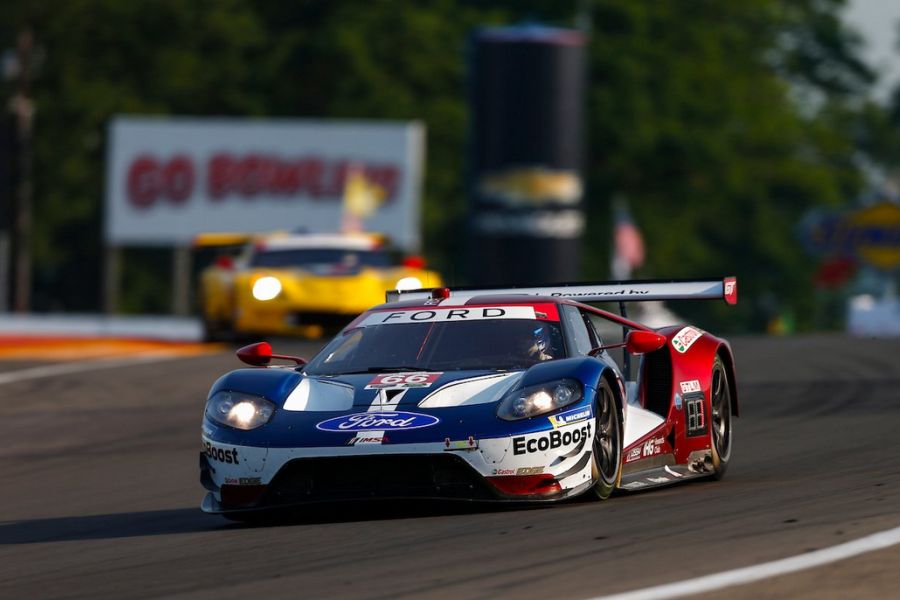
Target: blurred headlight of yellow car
{"x": 266, "y": 288}
{"x": 409, "y": 283}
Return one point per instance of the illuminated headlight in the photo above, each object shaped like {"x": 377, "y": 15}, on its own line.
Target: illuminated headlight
{"x": 266, "y": 288}
{"x": 409, "y": 283}
{"x": 241, "y": 411}
{"x": 539, "y": 399}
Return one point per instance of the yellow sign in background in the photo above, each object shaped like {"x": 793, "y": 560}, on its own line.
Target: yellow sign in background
{"x": 875, "y": 232}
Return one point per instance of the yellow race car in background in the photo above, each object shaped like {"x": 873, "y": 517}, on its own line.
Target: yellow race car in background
{"x": 300, "y": 284}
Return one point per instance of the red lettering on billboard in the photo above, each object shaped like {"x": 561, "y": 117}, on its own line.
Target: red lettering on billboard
{"x": 335, "y": 178}
{"x": 388, "y": 177}
{"x": 179, "y": 179}
{"x": 286, "y": 179}
{"x": 143, "y": 181}
{"x": 250, "y": 176}
{"x": 311, "y": 178}
{"x": 218, "y": 176}
{"x": 150, "y": 180}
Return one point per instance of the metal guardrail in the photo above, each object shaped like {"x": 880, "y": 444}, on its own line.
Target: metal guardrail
{"x": 161, "y": 327}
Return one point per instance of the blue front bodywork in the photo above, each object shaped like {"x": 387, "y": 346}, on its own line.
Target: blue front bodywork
{"x": 297, "y": 429}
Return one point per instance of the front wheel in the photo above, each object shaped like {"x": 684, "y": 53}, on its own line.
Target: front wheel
{"x": 606, "y": 466}
{"x": 720, "y": 405}
{"x": 214, "y": 331}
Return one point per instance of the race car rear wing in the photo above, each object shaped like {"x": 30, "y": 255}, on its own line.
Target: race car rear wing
{"x": 604, "y": 291}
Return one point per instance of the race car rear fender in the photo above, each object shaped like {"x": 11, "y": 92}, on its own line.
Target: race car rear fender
{"x": 692, "y": 353}
{"x": 724, "y": 352}
{"x": 697, "y": 360}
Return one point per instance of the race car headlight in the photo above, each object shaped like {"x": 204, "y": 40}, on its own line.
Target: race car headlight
{"x": 238, "y": 410}
{"x": 539, "y": 399}
{"x": 266, "y": 288}
{"x": 409, "y": 283}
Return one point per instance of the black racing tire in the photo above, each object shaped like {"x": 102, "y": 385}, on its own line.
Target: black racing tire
{"x": 214, "y": 330}
{"x": 720, "y": 419}
{"x": 606, "y": 461}
{"x": 217, "y": 330}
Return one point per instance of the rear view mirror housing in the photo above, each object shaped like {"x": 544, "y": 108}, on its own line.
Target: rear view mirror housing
{"x": 260, "y": 355}
{"x": 256, "y": 355}
{"x": 644, "y": 342}
{"x": 225, "y": 262}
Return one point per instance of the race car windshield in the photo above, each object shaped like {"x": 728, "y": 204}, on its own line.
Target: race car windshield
{"x": 320, "y": 258}
{"x": 502, "y": 344}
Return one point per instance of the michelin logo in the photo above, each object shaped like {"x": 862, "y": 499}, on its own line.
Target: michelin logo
{"x": 569, "y": 417}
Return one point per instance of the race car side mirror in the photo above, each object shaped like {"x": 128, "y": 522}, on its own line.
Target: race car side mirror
{"x": 225, "y": 262}
{"x": 637, "y": 341}
{"x": 414, "y": 262}
{"x": 257, "y": 355}
{"x": 642, "y": 342}
{"x": 260, "y": 355}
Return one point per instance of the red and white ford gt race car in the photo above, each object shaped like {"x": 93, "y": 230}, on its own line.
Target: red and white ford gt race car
{"x": 501, "y": 394}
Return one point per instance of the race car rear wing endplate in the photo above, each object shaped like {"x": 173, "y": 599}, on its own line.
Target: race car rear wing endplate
{"x": 604, "y": 291}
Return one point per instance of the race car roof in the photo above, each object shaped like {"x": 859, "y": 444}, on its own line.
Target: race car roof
{"x": 483, "y": 300}
{"x": 216, "y": 239}
{"x": 544, "y": 307}
{"x": 542, "y": 311}
{"x": 282, "y": 240}
{"x": 321, "y": 240}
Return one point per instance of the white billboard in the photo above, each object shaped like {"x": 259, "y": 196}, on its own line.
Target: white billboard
{"x": 169, "y": 179}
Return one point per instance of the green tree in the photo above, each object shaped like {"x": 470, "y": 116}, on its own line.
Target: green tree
{"x": 697, "y": 118}
{"x": 105, "y": 57}
{"x": 722, "y": 122}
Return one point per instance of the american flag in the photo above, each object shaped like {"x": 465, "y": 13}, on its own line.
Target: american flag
{"x": 628, "y": 245}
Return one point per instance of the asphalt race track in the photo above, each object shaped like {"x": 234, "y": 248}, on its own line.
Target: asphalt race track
{"x": 98, "y": 472}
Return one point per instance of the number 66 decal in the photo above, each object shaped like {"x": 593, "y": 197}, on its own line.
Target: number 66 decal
{"x": 402, "y": 380}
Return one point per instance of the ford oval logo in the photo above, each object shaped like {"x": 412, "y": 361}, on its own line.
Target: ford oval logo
{"x": 396, "y": 420}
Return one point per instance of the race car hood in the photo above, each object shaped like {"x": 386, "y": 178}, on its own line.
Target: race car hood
{"x": 439, "y": 389}
{"x": 412, "y": 407}
{"x": 296, "y": 392}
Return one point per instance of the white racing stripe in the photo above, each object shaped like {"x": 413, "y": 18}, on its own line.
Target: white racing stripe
{"x": 380, "y": 403}
{"x": 83, "y": 366}
{"x": 717, "y": 581}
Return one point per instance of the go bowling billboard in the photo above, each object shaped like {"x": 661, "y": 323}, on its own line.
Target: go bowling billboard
{"x": 169, "y": 179}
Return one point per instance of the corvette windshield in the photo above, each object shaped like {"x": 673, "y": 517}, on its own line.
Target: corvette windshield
{"x": 502, "y": 344}
{"x": 313, "y": 258}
